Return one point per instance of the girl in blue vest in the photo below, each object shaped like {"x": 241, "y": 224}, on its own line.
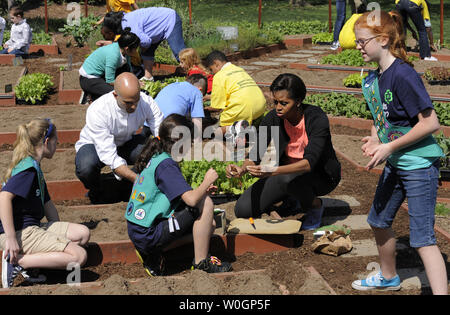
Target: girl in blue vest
{"x": 404, "y": 120}
{"x": 24, "y": 201}
{"x": 163, "y": 207}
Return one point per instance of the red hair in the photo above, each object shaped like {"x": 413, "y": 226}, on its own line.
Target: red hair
{"x": 391, "y": 27}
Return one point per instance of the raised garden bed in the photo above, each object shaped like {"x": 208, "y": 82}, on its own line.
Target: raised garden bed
{"x": 9, "y": 78}
{"x": 51, "y": 49}
{"x": 69, "y": 91}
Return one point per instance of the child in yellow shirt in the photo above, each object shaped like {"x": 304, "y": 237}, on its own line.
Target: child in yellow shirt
{"x": 234, "y": 93}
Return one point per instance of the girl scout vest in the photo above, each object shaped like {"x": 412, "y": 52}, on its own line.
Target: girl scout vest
{"x": 147, "y": 202}
{"x": 387, "y": 132}
{"x": 27, "y": 163}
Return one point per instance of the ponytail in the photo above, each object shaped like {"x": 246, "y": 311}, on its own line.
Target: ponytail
{"x": 128, "y": 39}
{"x": 163, "y": 142}
{"x": 29, "y": 136}
{"x": 390, "y": 26}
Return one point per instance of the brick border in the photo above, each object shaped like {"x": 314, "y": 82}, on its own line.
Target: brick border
{"x": 51, "y": 49}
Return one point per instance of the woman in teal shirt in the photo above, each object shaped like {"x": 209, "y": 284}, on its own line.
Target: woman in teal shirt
{"x": 99, "y": 70}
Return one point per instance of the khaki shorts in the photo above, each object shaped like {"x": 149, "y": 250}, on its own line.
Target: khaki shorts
{"x": 48, "y": 237}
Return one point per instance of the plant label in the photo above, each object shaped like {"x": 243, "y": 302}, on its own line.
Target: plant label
{"x": 8, "y": 88}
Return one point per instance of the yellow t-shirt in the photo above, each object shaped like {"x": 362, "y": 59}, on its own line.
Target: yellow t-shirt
{"x": 119, "y": 5}
{"x": 236, "y": 93}
{"x": 347, "y": 35}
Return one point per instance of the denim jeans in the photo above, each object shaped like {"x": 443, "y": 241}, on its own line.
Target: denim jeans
{"x": 420, "y": 188}
{"x": 341, "y": 7}
{"x": 175, "y": 41}
{"x": 88, "y": 164}
{"x": 17, "y": 52}
{"x": 413, "y": 11}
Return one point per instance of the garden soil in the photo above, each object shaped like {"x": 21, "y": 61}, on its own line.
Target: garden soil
{"x": 9, "y": 75}
{"x": 282, "y": 272}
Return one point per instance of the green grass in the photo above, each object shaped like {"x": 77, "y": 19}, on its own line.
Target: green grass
{"x": 234, "y": 11}
{"x": 442, "y": 209}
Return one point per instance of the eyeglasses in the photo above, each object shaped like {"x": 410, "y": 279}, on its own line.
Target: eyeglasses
{"x": 49, "y": 130}
{"x": 363, "y": 42}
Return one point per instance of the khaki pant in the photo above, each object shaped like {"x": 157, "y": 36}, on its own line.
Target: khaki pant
{"x": 48, "y": 237}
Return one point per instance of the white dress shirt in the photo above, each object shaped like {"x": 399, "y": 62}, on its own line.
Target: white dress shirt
{"x": 108, "y": 126}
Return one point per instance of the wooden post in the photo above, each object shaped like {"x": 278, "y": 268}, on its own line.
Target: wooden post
{"x": 85, "y": 8}
{"x": 259, "y": 14}
{"x": 190, "y": 12}
{"x": 330, "y": 28}
{"x": 46, "y": 17}
{"x": 442, "y": 22}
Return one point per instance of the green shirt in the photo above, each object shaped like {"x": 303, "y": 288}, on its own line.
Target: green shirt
{"x": 104, "y": 62}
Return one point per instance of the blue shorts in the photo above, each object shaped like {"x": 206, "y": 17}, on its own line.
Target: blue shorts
{"x": 420, "y": 188}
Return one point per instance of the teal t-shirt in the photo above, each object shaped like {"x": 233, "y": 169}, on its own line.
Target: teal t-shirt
{"x": 104, "y": 62}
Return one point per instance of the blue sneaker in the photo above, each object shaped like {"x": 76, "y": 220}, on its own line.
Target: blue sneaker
{"x": 9, "y": 272}
{"x": 377, "y": 282}
{"x": 313, "y": 218}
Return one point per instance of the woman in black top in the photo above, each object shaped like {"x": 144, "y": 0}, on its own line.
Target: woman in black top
{"x": 306, "y": 166}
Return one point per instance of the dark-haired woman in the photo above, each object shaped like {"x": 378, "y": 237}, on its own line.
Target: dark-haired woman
{"x": 163, "y": 207}
{"x": 99, "y": 70}
{"x": 306, "y": 165}
{"x": 152, "y": 25}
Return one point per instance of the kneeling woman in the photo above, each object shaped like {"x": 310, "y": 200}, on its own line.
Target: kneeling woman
{"x": 308, "y": 166}
{"x": 99, "y": 70}
{"x": 163, "y": 207}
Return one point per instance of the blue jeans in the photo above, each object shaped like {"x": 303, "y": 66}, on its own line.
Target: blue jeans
{"x": 88, "y": 164}
{"x": 341, "y": 6}
{"x": 175, "y": 41}
{"x": 17, "y": 52}
{"x": 420, "y": 187}
{"x": 414, "y": 12}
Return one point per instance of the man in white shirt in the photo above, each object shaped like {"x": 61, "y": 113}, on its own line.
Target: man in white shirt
{"x": 109, "y": 138}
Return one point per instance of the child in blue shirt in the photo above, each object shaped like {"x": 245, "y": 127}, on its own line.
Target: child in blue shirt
{"x": 163, "y": 207}
{"x": 404, "y": 120}
{"x": 24, "y": 201}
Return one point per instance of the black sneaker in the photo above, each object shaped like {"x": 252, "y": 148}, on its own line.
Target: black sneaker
{"x": 152, "y": 263}
{"x": 9, "y": 272}
{"x": 212, "y": 264}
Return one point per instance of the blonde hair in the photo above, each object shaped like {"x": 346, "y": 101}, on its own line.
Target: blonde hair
{"x": 190, "y": 58}
{"x": 29, "y": 136}
{"x": 390, "y": 26}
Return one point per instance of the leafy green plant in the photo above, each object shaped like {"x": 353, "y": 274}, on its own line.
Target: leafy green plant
{"x": 348, "y": 57}
{"x": 42, "y": 38}
{"x": 437, "y": 74}
{"x": 297, "y": 27}
{"x": 354, "y": 80}
{"x": 444, "y": 143}
{"x": 443, "y": 112}
{"x": 340, "y": 104}
{"x": 194, "y": 172}
{"x": 80, "y": 33}
{"x": 323, "y": 37}
{"x": 442, "y": 210}
{"x": 152, "y": 88}
{"x": 33, "y": 87}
